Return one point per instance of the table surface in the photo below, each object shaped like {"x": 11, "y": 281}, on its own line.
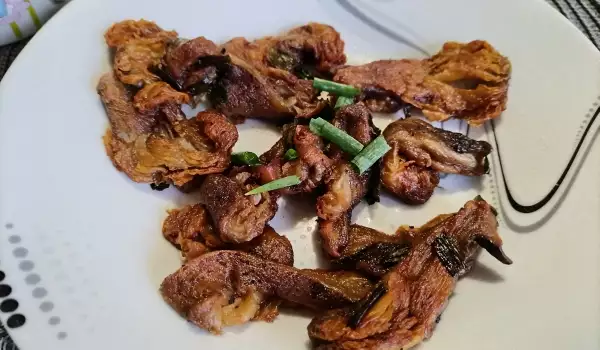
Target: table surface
{"x": 585, "y": 14}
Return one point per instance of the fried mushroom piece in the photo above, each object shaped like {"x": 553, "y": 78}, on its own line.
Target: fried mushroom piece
{"x": 162, "y": 146}
{"x": 419, "y": 151}
{"x": 438, "y": 149}
{"x": 273, "y": 159}
{"x": 139, "y": 47}
{"x": 185, "y": 60}
{"x": 225, "y": 288}
{"x": 357, "y": 122}
{"x": 410, "y": 182}
{"x": 271, "y": 246}
{"x": 372, "y": 252}
{"x": 261, "y": 80}
{"x": 334, "y": 234}
{"x": 153, "y": 96}
{"x": 191, "y": 230}
{"x": 466, "y": 81}
{"x": 312, "y": 165}
{"x": 134, "y": 60}
{"x": 238, "y": 218}
{"x": 403, "y": 309}
{"x": 313, "y": 44}
{"x": 126, "y": 31}
{"x": 344, "y": 187}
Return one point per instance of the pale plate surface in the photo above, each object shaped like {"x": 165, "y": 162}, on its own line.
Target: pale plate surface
{"x": 75, "y": 228}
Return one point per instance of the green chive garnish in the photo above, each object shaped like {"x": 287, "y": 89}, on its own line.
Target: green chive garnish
{"x": 335, "y": 88}
{"x": 343, "y": 101}
{"x": 291, "y": 154}
{"x": 245, "y": 158}
{"x": 276, "y": 184}
{"x": 347, "y": 143}
{"x": 370, "y": 154}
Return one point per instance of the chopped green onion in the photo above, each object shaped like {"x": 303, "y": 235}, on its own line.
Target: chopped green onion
{"x": 335, "y": 88}
{"x": 347, "y": 143}
{"x": 343, "y": 101}
{"x": 276, "y": 184}
{"x": 245, "y": 158}
{"x": 291, "y": 154}
{"x": 370, "y": 154}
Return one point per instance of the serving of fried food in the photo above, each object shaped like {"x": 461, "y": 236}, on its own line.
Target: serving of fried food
{"x": 380, "y": 290}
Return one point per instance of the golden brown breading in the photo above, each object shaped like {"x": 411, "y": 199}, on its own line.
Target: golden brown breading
{"x": 134, "y": 59}
{"x": 129, "y": 30}
{"x": 155, "y": 95}
{"x": 261, "y": 79}
{"x": 191, "y": 229}
{"x": 238, "y": 218}
{"x": 403, "y": 309}
{"x": 465, "y": 81}
{"x": 157, "y": 148}
{"x": 181, "y": 58}
{"x": 140, "y": 45}
{"x": 334, "y": 234}
{"x": 202, "y": 289}
{"x": 410, "y": 182}
{"x": 344, "y": 187}
{"x": 419, "y": 151}
{"x": 442, "y": 150}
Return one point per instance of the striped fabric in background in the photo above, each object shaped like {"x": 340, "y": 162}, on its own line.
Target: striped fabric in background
{"x": 585, "y": 14}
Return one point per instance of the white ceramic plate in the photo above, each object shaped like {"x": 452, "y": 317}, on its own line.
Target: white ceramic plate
{"x": 80, "y": 244}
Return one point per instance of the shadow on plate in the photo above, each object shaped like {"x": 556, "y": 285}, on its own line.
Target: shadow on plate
{"x": 481, "y": 272}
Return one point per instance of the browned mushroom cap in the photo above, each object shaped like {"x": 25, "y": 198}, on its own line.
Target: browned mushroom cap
{"x": 237, "y": 217}
{"x": 270, "y": 246}
{"x": 345, "y": 189}
{"x": 191, "y": 230}
{"x": 202, "y": 289}
{"x": 402, "y": 310}
{"x": 356, "y": 121}
{"x": 410, "y": 182}
{"x": 135, "y": 60}
{"x": 159, "y": 94}
{"x": 163, "y": 147}
{"x": 334, "y": 234}
{"x": 372, "y": 252}
{"x": 183, "y": 57}
{"x": 126, "y": 31}
{"x": 467, "y": 81}
{"x": 419, "y": 151}
{"x": 441, "y": 150}
{"x": 261, "y": 81}
{"x": 310, "y": 148}
{"x": 140, "y": 46}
